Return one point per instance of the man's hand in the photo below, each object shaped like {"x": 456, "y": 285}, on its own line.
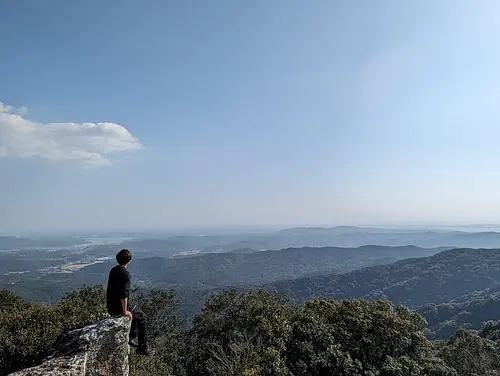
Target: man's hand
{"x": 129, "y": 314}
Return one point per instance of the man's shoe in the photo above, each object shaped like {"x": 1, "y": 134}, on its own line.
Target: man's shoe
{"x": 133, "y": 342}
{"x": 145, "y": 350}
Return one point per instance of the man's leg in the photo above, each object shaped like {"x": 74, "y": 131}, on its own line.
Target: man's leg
{"x": 133, "y": 333}
{"x": 140, "y": 325}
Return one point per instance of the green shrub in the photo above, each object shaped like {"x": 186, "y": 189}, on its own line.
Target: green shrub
{"x": 258, "y": 334}
{"x": 164, "y": 334}
{"x": 27, "y": 330}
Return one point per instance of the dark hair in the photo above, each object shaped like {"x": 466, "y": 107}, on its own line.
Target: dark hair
{"x": 124, "y": 256}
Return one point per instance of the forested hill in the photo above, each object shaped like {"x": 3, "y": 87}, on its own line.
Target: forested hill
{"x": 452, "y": 289}
{"x": 227, "y": 269}
{"x": 413, "y": 282}
{"x": 471, "y": 311}
{"x": 213, "y": 270}
{"x": 224, "y": 269}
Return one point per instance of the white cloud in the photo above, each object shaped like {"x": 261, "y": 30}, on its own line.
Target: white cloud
{"x": 90, "y": 144}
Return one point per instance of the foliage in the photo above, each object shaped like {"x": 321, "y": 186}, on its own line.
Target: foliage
{"x": 259, "y": 333}
{"x": 27, "y": 330}
{"x": 471, "y": 355}
{"x": 470, "y": 311}
{"x": 147, "y": 366}
{"x": 237, "y": 329}
{"x": 355, "y": 336}
{"x": 164, "y": 332}
{"x": 454, "y": 289}
{"x": 491, "y": 330}
{"x": 81, "y": 307}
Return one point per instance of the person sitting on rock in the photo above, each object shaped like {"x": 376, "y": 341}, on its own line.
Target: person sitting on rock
{"x": 117, "y": 299}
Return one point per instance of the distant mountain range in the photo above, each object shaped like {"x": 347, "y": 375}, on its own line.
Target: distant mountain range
{"x": 341, "y": 236}
{"x": 23, "y": 242}
{"x": 229, "y": 269}
{"x": 224, "y": 269}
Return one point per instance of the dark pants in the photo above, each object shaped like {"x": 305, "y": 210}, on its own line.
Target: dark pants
{"x": 138, "y": 328}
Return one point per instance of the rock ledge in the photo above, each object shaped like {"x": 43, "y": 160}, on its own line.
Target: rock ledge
{"x": 100, "y": 349}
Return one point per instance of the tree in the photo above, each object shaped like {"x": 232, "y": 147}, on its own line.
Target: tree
{"x": 164, "y": 332}
{"x": 27, "y": 330}
{"x": 248, "y": 328}
{"x": 259, "y": 333}
{"x": 355, "y": 337}
{"x": 471, "y": 355}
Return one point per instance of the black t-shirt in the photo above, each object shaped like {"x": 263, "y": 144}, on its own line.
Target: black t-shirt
{"x": 118, "y": 289}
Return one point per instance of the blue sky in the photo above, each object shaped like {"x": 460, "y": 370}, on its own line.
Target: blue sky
{"x": 161, "y": 114}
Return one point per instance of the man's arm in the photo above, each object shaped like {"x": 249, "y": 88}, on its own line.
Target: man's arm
{"x": 124, "y": 305}
{"x": 124, "y": 296}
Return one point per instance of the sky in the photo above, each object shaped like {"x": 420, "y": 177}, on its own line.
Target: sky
{"x": 169, "y": 114}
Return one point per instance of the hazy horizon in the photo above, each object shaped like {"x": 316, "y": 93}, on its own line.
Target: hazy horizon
{"x": 115, "y": 115}
{"x": 249, "y": 229}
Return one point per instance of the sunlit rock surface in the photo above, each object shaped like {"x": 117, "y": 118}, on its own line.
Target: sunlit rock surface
{"x": 100, "y": 349}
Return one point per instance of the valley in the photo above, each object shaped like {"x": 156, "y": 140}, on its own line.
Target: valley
{"x": 450, "y": 286}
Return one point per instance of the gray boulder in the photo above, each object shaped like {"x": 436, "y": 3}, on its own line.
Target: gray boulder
{"x": 100, "y": 349}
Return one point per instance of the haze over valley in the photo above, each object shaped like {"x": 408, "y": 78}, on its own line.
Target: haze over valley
{"x": 441, "y": 272}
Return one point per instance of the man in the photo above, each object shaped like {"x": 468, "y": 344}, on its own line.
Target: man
{"x": 117, "y": 299}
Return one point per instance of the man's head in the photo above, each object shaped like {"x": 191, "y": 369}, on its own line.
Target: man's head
{"x": 124, "y": 257}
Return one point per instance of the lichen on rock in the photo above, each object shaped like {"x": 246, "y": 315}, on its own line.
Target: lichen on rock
{"x": 100, "y": 349}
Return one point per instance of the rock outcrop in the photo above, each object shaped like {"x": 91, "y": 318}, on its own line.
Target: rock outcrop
{"x": 100, "y": 349}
